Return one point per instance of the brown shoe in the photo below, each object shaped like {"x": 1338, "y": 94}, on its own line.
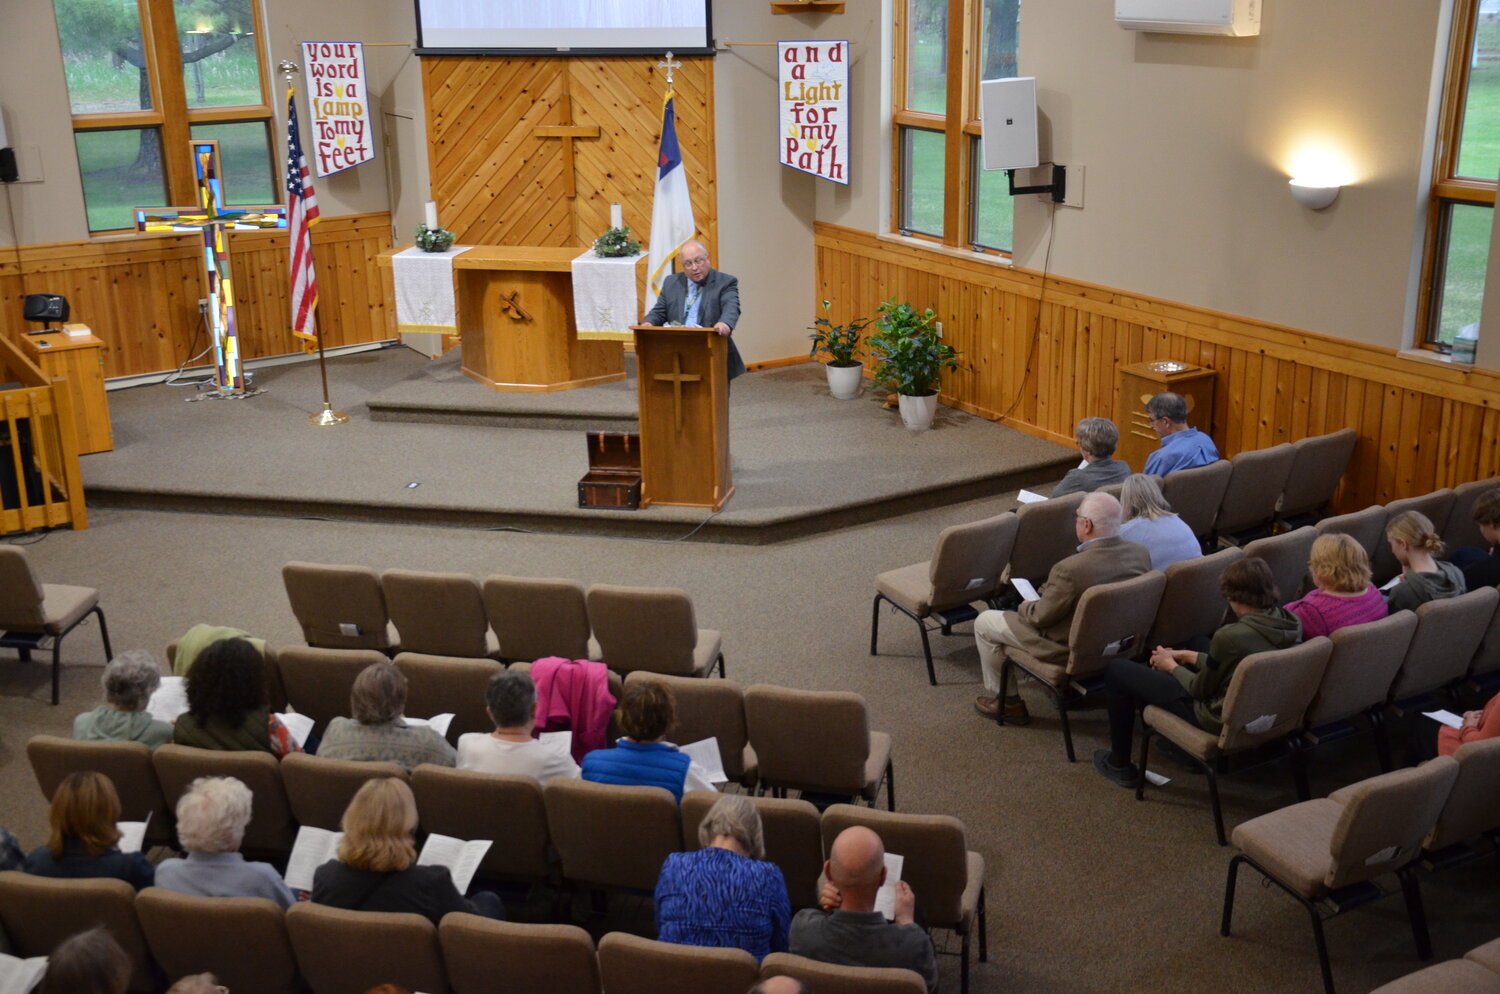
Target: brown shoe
{"x": 1015, "y": 713}
{"x": 987, "y": 706}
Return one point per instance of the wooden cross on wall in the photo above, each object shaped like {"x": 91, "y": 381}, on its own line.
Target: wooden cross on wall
{"x": 567, "y": 132}
{"x": 677, "y": 378}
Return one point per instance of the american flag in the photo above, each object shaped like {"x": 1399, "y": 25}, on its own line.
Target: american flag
{"x": 302, "y": 203}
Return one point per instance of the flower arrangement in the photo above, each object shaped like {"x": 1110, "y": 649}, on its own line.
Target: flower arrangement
{"x": 616, "y": 243}
{"x": 434, "y": 239}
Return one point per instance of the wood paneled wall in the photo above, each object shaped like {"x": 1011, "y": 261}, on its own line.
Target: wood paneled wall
{"x": 1421, "y": 425}
{"x": 140, "y": 293}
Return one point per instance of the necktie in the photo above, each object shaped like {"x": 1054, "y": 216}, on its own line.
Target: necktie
{"x": 691, "y": 317}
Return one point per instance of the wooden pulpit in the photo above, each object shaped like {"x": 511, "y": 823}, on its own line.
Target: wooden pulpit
{"x": 683, "y": 392}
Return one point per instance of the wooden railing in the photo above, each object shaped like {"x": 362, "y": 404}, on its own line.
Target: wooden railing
{"x": 40, "y": 482}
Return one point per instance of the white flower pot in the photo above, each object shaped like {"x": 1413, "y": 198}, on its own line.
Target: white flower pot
{"x": 845, "y": 382}
{"x": 917, "y": 412}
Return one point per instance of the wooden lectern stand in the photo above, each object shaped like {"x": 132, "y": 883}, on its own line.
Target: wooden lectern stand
{"x": 1141, "y": 381}
{"x": 683, "y": 391}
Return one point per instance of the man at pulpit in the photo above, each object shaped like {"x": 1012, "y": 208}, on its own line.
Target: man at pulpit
{"x": 700, "y": 296}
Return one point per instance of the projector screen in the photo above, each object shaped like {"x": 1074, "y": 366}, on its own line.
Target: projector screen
{"x": 571, "y": 27}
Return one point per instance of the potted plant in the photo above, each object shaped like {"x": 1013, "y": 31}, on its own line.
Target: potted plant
{"x": 909, "y": 353}
{"x": 840, "y": 343}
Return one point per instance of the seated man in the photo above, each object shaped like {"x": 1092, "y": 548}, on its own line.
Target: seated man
{"x": 510, "y": 701}
{"x": 1041, "y": 627}
{"x": 1481, "y": 566}
{"x": 849, "y": 931}
{"x": 1181, "y": 447}
{"x": 1097, "y": 439}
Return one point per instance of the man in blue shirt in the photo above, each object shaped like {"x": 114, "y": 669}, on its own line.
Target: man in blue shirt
{"x": 1181, "y": 447}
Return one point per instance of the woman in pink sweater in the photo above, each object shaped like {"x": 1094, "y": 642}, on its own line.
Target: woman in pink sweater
{"x": 1340, "y": 571}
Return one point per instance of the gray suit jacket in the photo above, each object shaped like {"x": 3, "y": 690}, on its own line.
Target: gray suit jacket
{"x": 720, "y": 302}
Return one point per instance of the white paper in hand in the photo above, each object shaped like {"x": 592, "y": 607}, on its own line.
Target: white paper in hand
{"x": 21, "y": 976}
{"x": 705, "y": 753}
{"x": 170, "y": 700}
{"x": 438, "y": 723}
{"x": 885, "y": 898}
{"x": 1392, "y": 582}
{"x": 1445, "y": 718}
{"x": 300, "y": 725}
{"x": 560, "y": 743}
{"x": 132, "y": 834}
{"x": 461, "y": 858}
{"x": 313, "y": 848}
{"x": 1025, "y": 589}
{"x": 1028, "y": 497}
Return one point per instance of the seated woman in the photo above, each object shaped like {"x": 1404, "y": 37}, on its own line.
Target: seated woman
{"x": 1481, "y": 566}
{"x": 725, "y": 894}
{"x": 1150, "y": 521}
{"x": 211, "y": 820}
{"x": 1192, "y": 685}
{"x": 1423, "y": 578}
{"x": 378, "y": 732}
{"x": 1477, "y": 725}
{"x": 377, "y": 869}
{"x": 227, "y": 707}
{"x": 510, "y": 701}
{"x": 129, "y": 681}
{"x": 643, "y": 756}
{"x": 84, "y": 811}
{"x": 1343, "y": 593}
{"x": 90, "y": 962}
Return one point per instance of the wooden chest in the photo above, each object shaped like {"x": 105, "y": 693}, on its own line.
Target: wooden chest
{"x": 614, "y": 476}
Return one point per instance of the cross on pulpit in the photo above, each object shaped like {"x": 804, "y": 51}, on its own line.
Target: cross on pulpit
{"x": 567, "y": 132}
{"x": 214, "y": 221}
{"x": 677, "y": 378}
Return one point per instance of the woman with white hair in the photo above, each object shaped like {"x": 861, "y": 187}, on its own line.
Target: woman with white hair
{"x": 211, "y": 820}
{"x": 129, "y": 681}
{"x": 1150, "y": 521}
{"x": 725, "y": 894}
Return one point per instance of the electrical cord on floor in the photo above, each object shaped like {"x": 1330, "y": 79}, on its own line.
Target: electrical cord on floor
{"x": 1036, "y": 331}
{"x": 175, "y": 379}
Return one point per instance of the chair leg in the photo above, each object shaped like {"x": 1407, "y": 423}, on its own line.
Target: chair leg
{"x": 104, "y": 634}
{"x": 1140, "y": 785}
{"x": 1412, "y": 891}
{"x": 1229, "y": 882}
{"x": 1299, "y": 769}
{"x": 890, "y": 785}
{"x": 1321, "y": 943}
{"x": 1067, "y": 729}
{"x": 963, "y": 965}
{"x": 1213, "y": 796}
{"x": 722, "y": 674}
{"x": 984, "y": 945}
{"x": 875, "y": 622}
{"x": 56, "y": 666}
{"x": 1382, "y": 740}
{"x": 927, "y": 654}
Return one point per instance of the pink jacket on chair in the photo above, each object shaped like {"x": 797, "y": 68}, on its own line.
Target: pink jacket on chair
{"x": 573, "y": 693}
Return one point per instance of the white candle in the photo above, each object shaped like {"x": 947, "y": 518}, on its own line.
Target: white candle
{"x": 616, "y": 216}
{"x": 432, "y": 214}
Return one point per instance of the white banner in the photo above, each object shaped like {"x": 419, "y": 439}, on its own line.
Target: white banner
{"x": 341, "y": 135}
{"x": 814, "y": 98}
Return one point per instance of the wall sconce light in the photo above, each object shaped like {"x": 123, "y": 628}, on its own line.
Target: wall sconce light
{"x": 1313, "y": 194}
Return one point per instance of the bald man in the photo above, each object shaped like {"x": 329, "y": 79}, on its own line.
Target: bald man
{"x": 780, "y": 985}
{"x": 850, "y": 932}
{"x": 700, "y": 296}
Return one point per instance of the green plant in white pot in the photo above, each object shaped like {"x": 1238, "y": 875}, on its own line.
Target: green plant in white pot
{"x": 909, "y": 352}
{"x": 840, "y": 343}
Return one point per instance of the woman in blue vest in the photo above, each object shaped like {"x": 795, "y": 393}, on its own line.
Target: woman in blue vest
{"x": 643, "y": 757}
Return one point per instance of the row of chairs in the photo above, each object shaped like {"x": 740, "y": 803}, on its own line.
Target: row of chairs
{"x": 1451, "y": 511}
{"x": 504, "y": 617}
{"x": 1477, "y": 973}
{"x": 250, "y": 944}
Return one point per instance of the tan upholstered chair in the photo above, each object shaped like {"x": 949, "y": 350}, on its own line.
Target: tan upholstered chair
{"x": 37, "y": 913}
{"x": 652, "y": 628}
{"x": 1317, "y": 470}
{"x": 33, "y": 613}
{"x": 946, "y": 876}
{"x": 1358, "y": 678}
{"x": 609, "y": 836}
{"x": 128, "y": 766}
{"x": 1191, "y": 605}
{"x": 1196, "y": 494}
{"x": 1449, "y": 633}
{"x": 818, "y": 742}
{"x": 1454, "y": 976}
{"x": 1107, "y": 615}
{"x": 349, "y": 952}
{"x": 1367, "y": 527}
{"x": 320, "y": 789}
{"x": 1287, "y": 555}
{"x": 1320, "y": 851}
{"x": 1256, "y": 480}
{"x": 1471, "y": 809}
{"x": 1487, "y": 955}
{"x": 793, "y": 837}
{"x": 1484, "y": 668}
{"x": 484, "y": 956}
{"x": 827, "y": 978}
{"x": 318, "y": 681}
{"x": 710, "y": 708}
{"x": 339, "y": 607}
{"x": 630, "y": 964}
{"x": 1462, "y": 531}
{"x": 1044, "y": 537}
{"x": 240, "y": 940}
{"x": 534, "y": 617}
{"x": 271, "y": 657}
{"x": 965, "y": 568}
{"x": 1437, "y": 506}
{"x": 272, "y": 830}
{"x": 1267, "y": 699}
{"x": 449, "y": 685}
{"x": 439, "y": 614}
{"x": 466, "y": 804}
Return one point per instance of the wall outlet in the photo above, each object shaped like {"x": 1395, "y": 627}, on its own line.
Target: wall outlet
{"x": 939, "y": 326}
{"x": 1073, "y": 195}
{"x": 203, "y": 306}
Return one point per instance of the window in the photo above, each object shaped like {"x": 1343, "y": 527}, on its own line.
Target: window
{"x": 945, "y": 47}
{"x": 145, "y": 76}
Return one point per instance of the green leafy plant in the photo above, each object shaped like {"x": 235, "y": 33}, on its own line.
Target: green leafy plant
{"x": 840, "y": 342}
{"x": 615, "y": 243}
{"x": 908, "y": 351}
{"x": 434, "y": 239}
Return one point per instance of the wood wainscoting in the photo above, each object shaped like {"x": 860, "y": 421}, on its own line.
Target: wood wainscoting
{"x": 1422, "y": 425}
{"x": 139, "y": 293}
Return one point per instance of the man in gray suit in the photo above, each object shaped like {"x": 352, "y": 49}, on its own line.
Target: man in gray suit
{"x": 700, "y": 296}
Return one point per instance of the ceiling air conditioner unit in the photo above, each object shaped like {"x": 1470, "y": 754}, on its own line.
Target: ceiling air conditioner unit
{"x": 1190, "y": 17}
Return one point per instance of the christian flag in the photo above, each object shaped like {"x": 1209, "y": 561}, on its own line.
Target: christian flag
{"x": 671, "y": 208}
{"x": 302, "y": 207}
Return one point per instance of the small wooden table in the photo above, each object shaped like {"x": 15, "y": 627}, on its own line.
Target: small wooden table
{"x": 79, "y": 359}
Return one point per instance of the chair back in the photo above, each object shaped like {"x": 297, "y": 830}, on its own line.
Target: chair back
{"x": 829, "y": 978}
{"x": 1385, "y": 819}
{"x": 934, "y": 849}
{"x": 793, "y": 837}
{"x": 1361, "y": 667}
{"x": 1449, "y": 633}
{"x": 1195, "y": 494}
{"x": 240, "y": 940}
{"x": 1269, "y": 693}
{"x": 609, "y": 836}
{"x": 535, "y": 617}
{"x": 1471, "y": 809}
{"x": 1317, "y": 471}
{"x": 708, "y": 708}
{"x": 970, "y": 559}
{"x": 1191, "y": 604}
{"x": 1366, "y": 527}
{"x": 128, "y": 766}
{"x": 449, "y": 685}
{"x": 338, "y": 607}
{"x": 505, "y": 808}
{"x": 1437, "y": 506}
{"x": 1462, "y": 531}
{"x": 37, "y": 913}
{"x": 21, "y": 593}
{"x": 1487, "y": 656}
{"x": 349, "y": 952}
{"x": 809, "y": 739}
{"x": 318, "y": 681}
{"x": 1109, "y": 613}
{"x": 644, "y": 628}
{"x": 1044, "y": 537}
{"x": 630, "y": 964}
{"x": 319, "y": 790}
{"x": 1287, "y": 555}
{"x": 440, "y": 614}
{"x": 484, "y": 956}
{"x": 1256, "y": 481}
{"x": 272, "y": 830}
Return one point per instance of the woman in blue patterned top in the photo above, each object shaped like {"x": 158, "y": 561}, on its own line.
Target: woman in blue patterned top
{"x": 725, "y": 894}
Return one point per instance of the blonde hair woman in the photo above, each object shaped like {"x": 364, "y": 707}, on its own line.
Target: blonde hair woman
{"x": 1344, "y": 595}
{"x": 1416, "y": 546}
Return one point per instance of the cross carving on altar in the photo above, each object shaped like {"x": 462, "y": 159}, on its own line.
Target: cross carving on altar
{"x": 677, "y": 378}
{"x": 567, "y": 132}
{"x": 213, "y": 221}
{"x": 511, "y": 303}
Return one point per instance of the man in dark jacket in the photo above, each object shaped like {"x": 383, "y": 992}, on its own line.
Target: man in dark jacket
{"x": 700, "y": 296}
